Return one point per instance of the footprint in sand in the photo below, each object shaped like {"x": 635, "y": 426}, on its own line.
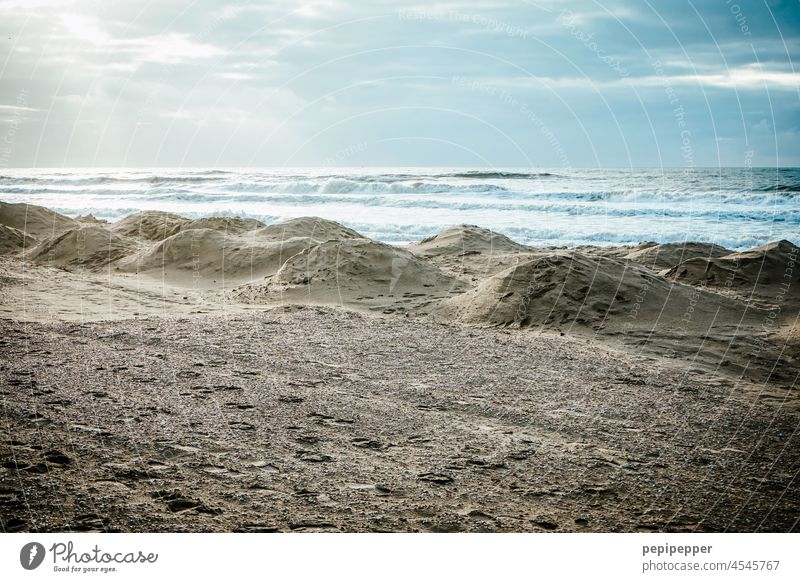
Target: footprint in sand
{"x": 239, "y": 425}
{"x": 310, "y": 457}
{"x": 365, "y": 443}
{"x": 378, "y": 490}
{"x": 178, "y": 503}
{"x": 308, "y": 439}
{"x": 436, "y": 478}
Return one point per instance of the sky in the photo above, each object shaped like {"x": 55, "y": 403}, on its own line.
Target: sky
{"x": 490, "y": 83}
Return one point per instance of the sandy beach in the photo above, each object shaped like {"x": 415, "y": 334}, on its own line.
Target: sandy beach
{"x": 167, "y": 374}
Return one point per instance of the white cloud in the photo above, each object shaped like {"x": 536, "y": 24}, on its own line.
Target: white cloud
{"x": 16, "y": 108}
{"x": 130, "y": 52}
{"x": 85, "y": 28}
{"x": 742, "y": 78}
{"x": 233, "y": 76}
{"x": 31, "y": 7}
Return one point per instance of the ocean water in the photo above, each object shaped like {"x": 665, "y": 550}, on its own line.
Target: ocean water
{"x": 735, "y": 207}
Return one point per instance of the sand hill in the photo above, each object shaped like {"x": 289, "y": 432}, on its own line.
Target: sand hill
{"x": 465, "y": 274}
{"x": 471, "y": 253}
{"x": 566, "y": 289}
{"x": 228, "y": 224}
{"x": 466, "y": 239}
{"x": 310, "y": 227}
{"x": 233, "y": 250}
{"x": 206, "y": 257}
{"x": 87, "y": 246}
{"x": 665, "y": 256}
{"x": 631, "y": 306}
{"x": 560, "y": 288}
{"x": 13, "y": 240}
{"x": 34, "y": 220}
{"x": 356, "y": 273}
{"x": 90, "y": 219}
{"x": 151, "y": 225}
{"x": 757, "y": 271}
{"x": 157, "y": 226}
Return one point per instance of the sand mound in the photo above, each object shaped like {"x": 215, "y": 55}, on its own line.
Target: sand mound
{"x": 466, "y": 239}
{"x": 665, "y": 256}
{"x": 229, "y": 224}
{"x": 580, "y": 293}
{"x": 90, "y": 219}
{"x": 563, "y": 288}
{"x": 555, "y": 288}
{"x": 345, "y": 263}
{"x": 150, "y": 225}
{"x": 358, "y": 273}
{"x": 34, "y": 220}
{"x": 208, "y": 251}
{"x": 13, "y": 240}
{"x": 756, "y": 270}
{"x": 87, "y": 246}
{"x": 203, "y": 256}
{"x": 309, "y": 227}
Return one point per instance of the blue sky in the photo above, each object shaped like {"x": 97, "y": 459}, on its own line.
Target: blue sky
{"x": 350, "y": 83}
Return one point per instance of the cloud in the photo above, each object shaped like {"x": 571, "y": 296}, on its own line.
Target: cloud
{"x": 253, "y": 76}
{"x": 129, "y": 53}
{"x": 235, "y": 76}
{"x": 750, "y": 77}
{"x": 746, "y": 78}
{"x": 15, "y": 108}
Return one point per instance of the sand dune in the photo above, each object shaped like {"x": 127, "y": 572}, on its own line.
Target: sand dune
{"x": 227, "y": 224}
{"x": 34, "y": 221}
{"x": 205, "y": 257}
{"x": 233, "y": 250}
{"x": 565, "y": 288}
{"x": 90, "y": 219}
{"x": 355, "y": 273}
{"x": 630, "y": 306}
{"x": 757, "y": 271}
{"x": 311, "y": 227}
{"x": 471, "y": 253}
{"x": 13, "y": 240}
{"x": 665, "y": 256}
{"x": 150, "y": 225}
{"x": 465, "y": 275}
{"x": 466, "y": 239}
{"x": 87, "y": 246}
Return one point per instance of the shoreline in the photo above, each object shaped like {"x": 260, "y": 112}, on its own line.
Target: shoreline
{"x": 735, "y": 208}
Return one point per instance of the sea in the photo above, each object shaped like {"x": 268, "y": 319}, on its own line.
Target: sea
{"x": 737, "y": 208}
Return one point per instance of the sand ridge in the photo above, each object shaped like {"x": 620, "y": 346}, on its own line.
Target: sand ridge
{"x": 723, "y": 312}
{"x": 13, "y": 240}
{"x": 466, "y": 239}
{"x": 756, "y": 271}
{"x": 355, "y": 273}
{"x": 35, "y": 221}
{"x": 665, "y": 256}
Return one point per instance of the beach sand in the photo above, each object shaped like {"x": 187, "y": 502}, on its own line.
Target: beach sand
{"x": 168, "y": 374}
